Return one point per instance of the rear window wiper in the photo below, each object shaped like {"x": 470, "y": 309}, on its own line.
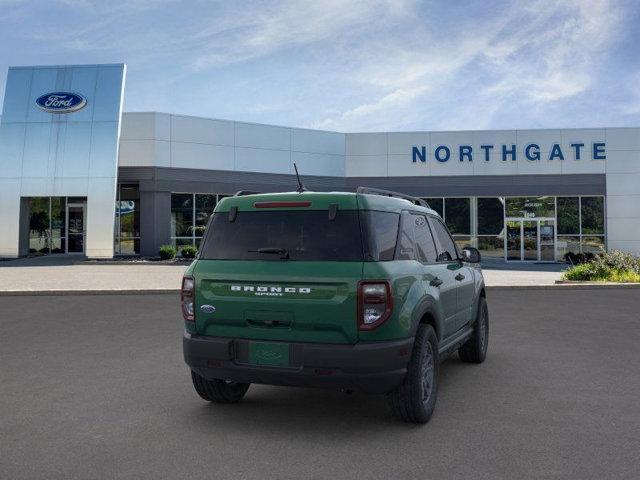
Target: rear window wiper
{"x": 283, "y": 252}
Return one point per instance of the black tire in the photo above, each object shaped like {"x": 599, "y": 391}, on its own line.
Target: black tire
{"x": 219, "y": 391}
{"x": 475, "y": 349}
{"x": 415, "y": 400}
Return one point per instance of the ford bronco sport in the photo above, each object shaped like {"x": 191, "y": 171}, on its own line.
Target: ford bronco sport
{"x": 356, "y": 291}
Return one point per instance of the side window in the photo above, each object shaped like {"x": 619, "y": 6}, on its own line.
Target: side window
{"x": 382, "y": 233}
{"x": 446, "y": 248}
{"x": 424, "y": 241}
{"x": 406, "y": 248}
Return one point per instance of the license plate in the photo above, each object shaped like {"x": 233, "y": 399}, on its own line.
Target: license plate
{"x": 271, "y": 354}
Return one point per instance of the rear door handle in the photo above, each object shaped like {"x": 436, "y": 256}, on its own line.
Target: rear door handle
{"x": 436, "y": 282}
{"x": 459, "y": 277}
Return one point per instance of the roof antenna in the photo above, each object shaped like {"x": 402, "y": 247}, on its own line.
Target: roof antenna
{"x": 300, "y": 185}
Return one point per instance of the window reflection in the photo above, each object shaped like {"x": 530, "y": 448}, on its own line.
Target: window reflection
{"x": 568, "y": 215}
{"x": 457, "y": 214}
{"x": 190, "y": 213}
{"x": 127, "y": 220}
{"x": 592, "y": 210}
{"x": 490, "y": 216}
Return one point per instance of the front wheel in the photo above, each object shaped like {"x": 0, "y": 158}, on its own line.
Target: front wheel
{"x": 475, "y": 349}
{"x": 415, "y": 400}
{"x": 218, "y": 391}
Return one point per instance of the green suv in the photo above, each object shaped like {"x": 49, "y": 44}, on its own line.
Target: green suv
{"x": 355, "y": 291}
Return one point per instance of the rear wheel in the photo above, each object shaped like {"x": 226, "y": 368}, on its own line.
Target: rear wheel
{"x": 415, "y": 400}
{"x": 475, "y": 349}
{"x": 219, "y": 391}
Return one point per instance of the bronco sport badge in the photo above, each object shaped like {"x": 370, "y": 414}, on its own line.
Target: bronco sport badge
{"x": 270, "y": 291}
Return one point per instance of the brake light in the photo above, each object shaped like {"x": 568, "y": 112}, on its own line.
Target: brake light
{"x": 187, "y": 295}
{"x": 375, "y": 303}
{"x": 281, "y": 204}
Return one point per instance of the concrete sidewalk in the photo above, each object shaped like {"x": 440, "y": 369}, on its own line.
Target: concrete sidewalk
{"x": 498, "y": 273}
{"x": 64, "y": 274}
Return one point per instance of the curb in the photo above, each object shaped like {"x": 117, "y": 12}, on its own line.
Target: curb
{"x": 581, "y": 282}
{"x": 23, "y": 293}
{"x": 566, "y": 286}
{"x": 179, "y": 263}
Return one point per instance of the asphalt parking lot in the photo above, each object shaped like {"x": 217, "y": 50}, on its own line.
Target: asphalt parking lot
{"x": 95, "y": 387}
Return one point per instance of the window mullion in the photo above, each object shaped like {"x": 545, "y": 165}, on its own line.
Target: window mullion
{"x": 580, "y": 222}
{"x": 50, "y": 227}
{"x": 193, "y": 222}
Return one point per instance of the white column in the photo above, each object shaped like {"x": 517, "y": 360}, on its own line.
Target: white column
{"x": 623, "y": 189}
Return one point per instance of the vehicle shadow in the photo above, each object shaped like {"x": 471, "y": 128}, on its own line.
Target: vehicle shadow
{"x": 309, "y": 412}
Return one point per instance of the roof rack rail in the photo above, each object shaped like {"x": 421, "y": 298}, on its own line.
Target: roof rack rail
{"x": 242, "y": 193}
{"x": 389, "y": 193}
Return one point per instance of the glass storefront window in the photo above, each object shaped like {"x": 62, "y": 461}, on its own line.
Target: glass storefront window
{"x": 129, "y": 246}
{"x": 490, "y": 216}
{"x": 457, "y": 214}
{"x": 182, "y": 242}
{"x": 48, "y": 232}
{"x": 39, "y": 225}
{"x": 129, "y": 211}
{"x": 204, "y": 208}
{"x": 491, "y": 246}
{"x": 127, "y": 227}
{"x": 567, "y": 244}
{"x": 190, "y": 213}
{"x": 58, "y": 216}
{"x": 530, "y": 207}
{"x": 568, "y": 215}
{"x": 592, "y": 214}
{"x": 593, "y": 244}
{"x": 181, "y": 214}
{"x": 436, "y": 204}
{"x": 462, "y": 241}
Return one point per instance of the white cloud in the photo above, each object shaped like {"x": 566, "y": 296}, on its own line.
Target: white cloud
{"x": 283, "y": 25}
{"x": 398, "y": 98}
{"x": 534, "y": 55}
{"x": 349, "y": 64}
{"x": 551, "y": 56}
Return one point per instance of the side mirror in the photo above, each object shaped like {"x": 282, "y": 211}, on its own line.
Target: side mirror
{"x": 470, "y": 255}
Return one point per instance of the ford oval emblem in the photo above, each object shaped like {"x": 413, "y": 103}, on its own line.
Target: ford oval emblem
{"x": 61, "y": 102}
{"x": 207, "y": 308}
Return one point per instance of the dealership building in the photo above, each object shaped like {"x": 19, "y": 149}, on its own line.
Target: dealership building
{"x": 79, "y": 176}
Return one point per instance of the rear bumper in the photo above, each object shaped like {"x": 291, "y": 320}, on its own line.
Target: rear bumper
{"x": 369, "y": 367}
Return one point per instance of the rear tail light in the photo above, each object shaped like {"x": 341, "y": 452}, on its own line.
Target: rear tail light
{"x": 375, "y": 303}
{"x": 187, "y": 295}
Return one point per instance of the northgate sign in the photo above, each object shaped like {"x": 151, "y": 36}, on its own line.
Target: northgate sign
{"x": 531, "y": 152}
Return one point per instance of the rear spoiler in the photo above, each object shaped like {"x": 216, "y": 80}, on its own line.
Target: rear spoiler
{"x": 389, "y": 193}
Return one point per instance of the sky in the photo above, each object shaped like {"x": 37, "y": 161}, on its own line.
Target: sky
{"x": 351, "y": 65}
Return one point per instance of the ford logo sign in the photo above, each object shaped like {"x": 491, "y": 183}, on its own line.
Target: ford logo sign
{"x": 61, "y": 102}
{"x": 207, "y": 308}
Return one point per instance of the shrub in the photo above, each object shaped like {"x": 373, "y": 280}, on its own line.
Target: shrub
{"x": 624, "y": 277}
{"x": 188, "y": 251}
{"x": 615, "y": 266}
{"x": 578, "y": 258}
{"x": 167, "y": 252}
{"x": 583, "y": 271}
{"x": 617, "y": 260}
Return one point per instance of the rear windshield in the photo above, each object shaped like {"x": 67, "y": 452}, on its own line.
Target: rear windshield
{"x": 306, "y": 235}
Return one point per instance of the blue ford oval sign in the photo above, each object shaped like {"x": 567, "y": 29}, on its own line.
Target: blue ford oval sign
{"x": 61, "y": 102}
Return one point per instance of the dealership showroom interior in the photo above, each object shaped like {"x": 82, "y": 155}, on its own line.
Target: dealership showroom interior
{"x": 80, "y": 176}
